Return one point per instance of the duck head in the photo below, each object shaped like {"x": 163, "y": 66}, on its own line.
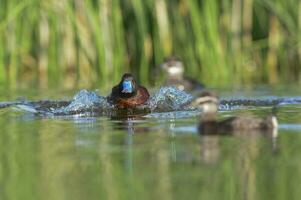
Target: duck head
{"x": 173, "y": 66}
{"x": 128, "y": 85}
{"x": 207, "y": 101}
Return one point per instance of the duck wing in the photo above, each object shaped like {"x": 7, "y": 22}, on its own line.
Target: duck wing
{"x": 192, "y": 84}
{"x": 243, "y": 123}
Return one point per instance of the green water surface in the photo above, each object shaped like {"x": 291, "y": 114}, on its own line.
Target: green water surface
{"x": 146, "y": 158}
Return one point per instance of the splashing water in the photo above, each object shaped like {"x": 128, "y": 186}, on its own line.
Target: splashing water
{"x": 85, "y": 102}
{"x": 169, "y": 99}
{"x": 238, "y": 103}
{"x": 167, "y": 102}
{"x": 89, "y": 103}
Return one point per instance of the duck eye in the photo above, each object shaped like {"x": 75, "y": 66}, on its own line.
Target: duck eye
{"x": 127, "y": 87}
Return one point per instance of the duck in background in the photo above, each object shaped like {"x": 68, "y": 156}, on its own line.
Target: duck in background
{"x": 209, "y": 125}
{"x": 174, "y": 70}
{"x": 128, "y": 94}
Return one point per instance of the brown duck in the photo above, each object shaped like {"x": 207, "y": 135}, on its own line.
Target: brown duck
{"x": 209, "y": 124}
{"x": 128, "y": 94}
{"x": 174, "y": 70}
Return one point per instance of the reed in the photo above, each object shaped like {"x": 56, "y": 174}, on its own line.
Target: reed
{"x": 72, "y": 43}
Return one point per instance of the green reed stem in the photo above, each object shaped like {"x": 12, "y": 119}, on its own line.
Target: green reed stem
{"x": 87, "y": 42}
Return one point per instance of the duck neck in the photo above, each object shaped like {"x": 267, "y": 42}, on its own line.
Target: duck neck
{"x": 127, "y": 95}
{"x": 207, "y": 117}
{"x": 210, "y": 110}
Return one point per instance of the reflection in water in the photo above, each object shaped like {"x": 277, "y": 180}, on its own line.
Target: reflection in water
{"x": 44, "y": 158}
{"x": 128, "y": 120}
{"x": 73, "y": 157}
{"x": 164, "y": 190}
{"x": 210, "y": 149}
{"x": 107, "y": 169}
{"x": 55, "y": 152}
{"x": 210, "y": 142}
{"x": 249, "y": 150}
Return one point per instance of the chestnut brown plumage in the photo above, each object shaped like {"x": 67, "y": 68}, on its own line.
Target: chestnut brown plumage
{"x": 128, "y": 94}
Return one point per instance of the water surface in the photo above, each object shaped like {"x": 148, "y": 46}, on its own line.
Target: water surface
{"x": 158, "y": 155}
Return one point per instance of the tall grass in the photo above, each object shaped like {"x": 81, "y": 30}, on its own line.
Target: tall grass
{"x": 80, "y": 43}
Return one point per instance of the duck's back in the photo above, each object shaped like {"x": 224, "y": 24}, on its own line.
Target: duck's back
{"x": 193, "y": 84}
{"x": 246, "y": 123}
{"x": 185, "y": 83}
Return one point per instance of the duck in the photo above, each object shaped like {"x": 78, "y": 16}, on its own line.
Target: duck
{"x": 128, "y": 94}
{"x": 209, "y": 124}
{"x": 174, "y": 69}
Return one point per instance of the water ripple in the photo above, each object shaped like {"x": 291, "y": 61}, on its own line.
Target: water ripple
{"x": 167, "y": 102}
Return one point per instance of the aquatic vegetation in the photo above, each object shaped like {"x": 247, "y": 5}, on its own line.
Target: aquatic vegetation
{"x": 70, "y": 43}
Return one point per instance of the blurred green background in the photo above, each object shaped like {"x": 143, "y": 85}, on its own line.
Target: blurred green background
{"x": 76, "y": 43}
